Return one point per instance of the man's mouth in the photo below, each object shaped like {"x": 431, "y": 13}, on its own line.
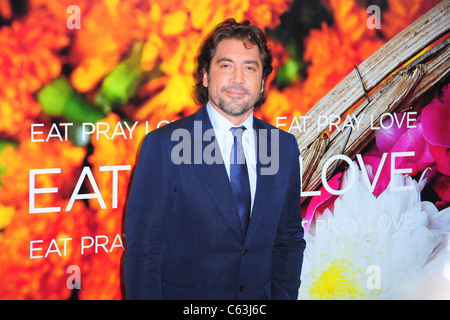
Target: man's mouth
{"x": 236, "y": 92}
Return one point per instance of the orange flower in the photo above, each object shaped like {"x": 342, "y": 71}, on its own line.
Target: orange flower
{"x": 402, "y": 13}
{"x": 206, "y": 14}
{"x": 333, "y": 50}
{"x": 280, "y": 56}
{"x": 175, "y": 89}
{"x": 15, "y": 188}
{"x": 277, "y": 103}
{"x": 108, "y": 29}
{"x": 6, "y": 215}
{"x": 120, "y": 150}
{"x": 266, "y": 13}
{"x": 35, "y": 252}
{"x": 28, "y": 60}
{"x": 5, "y": 9}
{"x": 102, "y": 269}
{"x": 168, "y": 104}
{"x": 177, "y": 53}
{"x": 102, "y": 278}
{"x": 329, "y": 67}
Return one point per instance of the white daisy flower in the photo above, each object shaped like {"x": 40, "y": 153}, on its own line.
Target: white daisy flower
{"x": 367, "y": 247}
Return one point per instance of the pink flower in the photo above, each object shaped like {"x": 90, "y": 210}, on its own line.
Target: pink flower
{"x": 440, "y": 186}
{"x": 413, "y": 140}
{"x": 436, "y": 120}
{"x": 428, "y": 138}
{"x": 397, "y": 139}
{"x": 386, "y": 139}
{"x": 436, "y": 124}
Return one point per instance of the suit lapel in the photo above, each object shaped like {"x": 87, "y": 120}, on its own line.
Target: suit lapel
{"x": 214, "y": 176}
{"x": 217, "y": 183}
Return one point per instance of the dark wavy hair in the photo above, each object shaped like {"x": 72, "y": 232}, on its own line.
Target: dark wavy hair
{"x": 250, "y": 35}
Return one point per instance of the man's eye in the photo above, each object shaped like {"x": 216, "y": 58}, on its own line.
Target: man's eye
{"x": 225, "y": 66}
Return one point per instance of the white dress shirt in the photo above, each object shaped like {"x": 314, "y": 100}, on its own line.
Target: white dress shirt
{"x": 224, "y": 137}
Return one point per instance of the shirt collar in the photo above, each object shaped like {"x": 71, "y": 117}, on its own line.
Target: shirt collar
{"x": 222, "y": 124}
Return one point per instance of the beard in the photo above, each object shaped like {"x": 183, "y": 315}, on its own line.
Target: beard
{"x": 233, "y": 106}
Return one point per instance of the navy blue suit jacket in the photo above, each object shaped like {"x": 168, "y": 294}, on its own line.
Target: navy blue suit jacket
{"x": 182, "y": 228}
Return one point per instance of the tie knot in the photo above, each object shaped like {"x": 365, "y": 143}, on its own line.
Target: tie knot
{"x": 237, "y": 132}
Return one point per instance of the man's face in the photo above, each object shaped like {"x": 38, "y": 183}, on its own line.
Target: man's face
{"x": 235, "y": 78}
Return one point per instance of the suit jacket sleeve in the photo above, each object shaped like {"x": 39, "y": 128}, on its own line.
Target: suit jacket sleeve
{"x": 146, "y": 221}
{"x": 287, "y": 257}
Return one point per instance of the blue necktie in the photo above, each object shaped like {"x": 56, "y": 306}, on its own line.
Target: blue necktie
{"x": 239, "y": 178}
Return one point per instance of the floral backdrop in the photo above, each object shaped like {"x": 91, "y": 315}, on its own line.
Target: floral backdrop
{"x": 83, "y": 81}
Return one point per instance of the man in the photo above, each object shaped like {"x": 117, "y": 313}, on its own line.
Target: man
{"x": 214, "y": 206}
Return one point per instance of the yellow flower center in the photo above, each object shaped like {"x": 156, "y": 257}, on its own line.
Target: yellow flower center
{"x": 337, "y": 282}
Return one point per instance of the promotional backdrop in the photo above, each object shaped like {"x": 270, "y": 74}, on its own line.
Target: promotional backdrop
{"x": 83, "y": 81}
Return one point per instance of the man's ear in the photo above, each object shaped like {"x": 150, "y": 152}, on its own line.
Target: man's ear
{"x": 205, "y": 78}
{"x": 262, "y": 85}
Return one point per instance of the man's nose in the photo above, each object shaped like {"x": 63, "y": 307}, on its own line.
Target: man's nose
{"x": 238, "y": 76}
